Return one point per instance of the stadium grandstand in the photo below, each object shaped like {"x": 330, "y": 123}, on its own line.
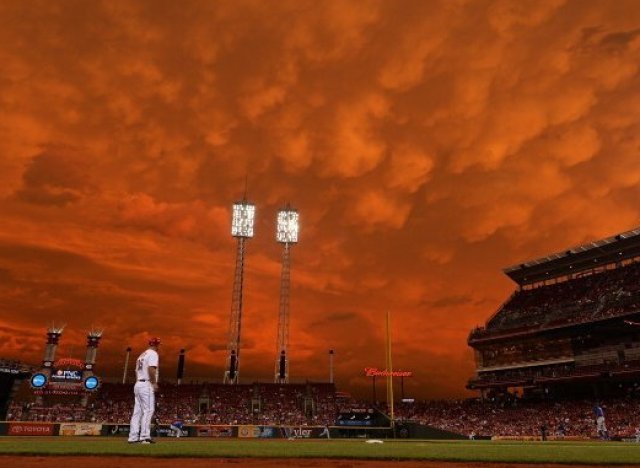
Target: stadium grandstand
{"x": 524, "y": 417}
{"x": 318, "y": 404}
{"x": 12, "y": 375}
{"x": 204, "y": 403}
{"x": 571, "y": 327}
{"x": 566, "y": 340}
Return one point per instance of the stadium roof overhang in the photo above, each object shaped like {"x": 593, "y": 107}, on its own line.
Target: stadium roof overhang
{"x": 584, "y": 257}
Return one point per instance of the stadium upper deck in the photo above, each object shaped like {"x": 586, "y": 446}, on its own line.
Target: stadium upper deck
{"x": 585, "y": 257}
{"x": 575, "y": 315}
{"x": 590, "y": 282}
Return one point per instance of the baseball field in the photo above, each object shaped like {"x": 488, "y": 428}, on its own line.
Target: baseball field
{"x": 116, "y": 452}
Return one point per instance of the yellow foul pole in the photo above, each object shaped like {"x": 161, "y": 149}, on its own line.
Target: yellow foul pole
{"x": 390, "y": 370}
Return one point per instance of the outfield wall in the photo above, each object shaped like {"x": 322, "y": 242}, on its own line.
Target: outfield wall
{"x": 35, "y": 429}
{"x": 419, "y": 431}
{"x": 17, "y": 428}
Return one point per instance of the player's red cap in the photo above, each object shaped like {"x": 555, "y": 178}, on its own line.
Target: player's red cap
{"x": 155, "y": 341}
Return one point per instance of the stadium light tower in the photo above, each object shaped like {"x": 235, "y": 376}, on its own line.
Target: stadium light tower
{"x": 287, "y": 235}
{"x": 242, "y": 229}
{"x": 53, "y": 339}
{"x": 93, "y": 341}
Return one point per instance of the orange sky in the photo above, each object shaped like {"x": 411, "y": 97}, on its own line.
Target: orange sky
{"x": 427, "y": 144}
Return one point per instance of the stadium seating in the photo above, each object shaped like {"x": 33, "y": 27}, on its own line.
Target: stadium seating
{"x": 516, "y": 417}
{"x": 274, "y": 404}
{"x": 264, "y": 404}
{"x": 605, "y": 294}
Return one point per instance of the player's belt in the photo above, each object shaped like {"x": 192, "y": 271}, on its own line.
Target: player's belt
{"x": 142, "y": 380}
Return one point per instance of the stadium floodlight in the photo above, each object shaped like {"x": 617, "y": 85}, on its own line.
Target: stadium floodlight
{"x": 288, "y": 226}
{"x": 242, "y": 229}
{"x": 243, "y": 219}
{"x": 286, "y": 234}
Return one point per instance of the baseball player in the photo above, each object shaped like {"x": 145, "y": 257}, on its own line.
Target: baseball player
{"x": 600, "y": 423}
{"x": 325, "y": 432}
{"x": 144, "y": 394}
{"x": 177, "y": 428}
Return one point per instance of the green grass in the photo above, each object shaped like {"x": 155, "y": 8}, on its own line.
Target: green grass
{"x": 605, "y": 453}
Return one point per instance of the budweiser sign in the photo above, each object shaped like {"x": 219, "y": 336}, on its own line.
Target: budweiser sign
{"x": 375, "y": 372}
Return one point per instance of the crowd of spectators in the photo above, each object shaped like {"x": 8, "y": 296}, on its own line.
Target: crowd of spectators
{"x": 605, "y": 294}
{"x": 262, "y": 404}
{"x": 516, "y": 417}
{"x": 12, "y": 365}
{"x": 526, "y": 350}
{"x": 316, "y": 405}
{"x": 58, "y": 412}
{"x": 537, "y": 375}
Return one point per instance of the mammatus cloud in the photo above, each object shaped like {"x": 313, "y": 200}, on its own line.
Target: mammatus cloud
{"x": 427, "y": 145}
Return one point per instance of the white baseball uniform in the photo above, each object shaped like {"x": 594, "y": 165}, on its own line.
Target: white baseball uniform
{"x": 144, "y": 406}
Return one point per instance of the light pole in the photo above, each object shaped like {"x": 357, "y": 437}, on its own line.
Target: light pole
{"x": 286, "y": 234}
{"x": 331, "y": 353}
{"x": 390, "y": 370}
{"x": 241, "y": 228}
{"x": 375, "y": 398}
{"x": 180, "y": 370}
{"x": 126, "y": 365}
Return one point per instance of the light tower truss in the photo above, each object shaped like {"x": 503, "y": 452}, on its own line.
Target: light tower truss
{"x": 93, "y": 341}
{"x": 286, "y": 234}
{"x": 242, "y": 223}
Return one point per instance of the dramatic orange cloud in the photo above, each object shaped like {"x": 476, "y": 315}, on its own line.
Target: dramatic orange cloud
{"x": 426, "y": 144}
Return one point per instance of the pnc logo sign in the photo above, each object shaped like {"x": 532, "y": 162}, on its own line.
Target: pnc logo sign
{"x": 67, "y": 374}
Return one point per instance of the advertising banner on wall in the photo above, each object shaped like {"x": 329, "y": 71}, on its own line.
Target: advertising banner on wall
{"x": 80, "y": 429}
{"x": 267, "y": 432}
{"x": 166, "y": 431}
{"x": 30, "y": 429}
{"x": 304, "y": 432}
{"x": 258, "y": 432}
{"x": 214, "y": 431}
{"x": 245, "y": 432}
{"x": 115, "y": 430}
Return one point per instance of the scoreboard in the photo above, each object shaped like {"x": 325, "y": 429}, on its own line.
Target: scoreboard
{"x": 65, "y": 377}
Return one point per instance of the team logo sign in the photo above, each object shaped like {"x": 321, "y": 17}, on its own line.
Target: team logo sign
{"x": 256, "y": 432}
{"x": 38, "y": 380}
{"x": 91, "y": 383}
